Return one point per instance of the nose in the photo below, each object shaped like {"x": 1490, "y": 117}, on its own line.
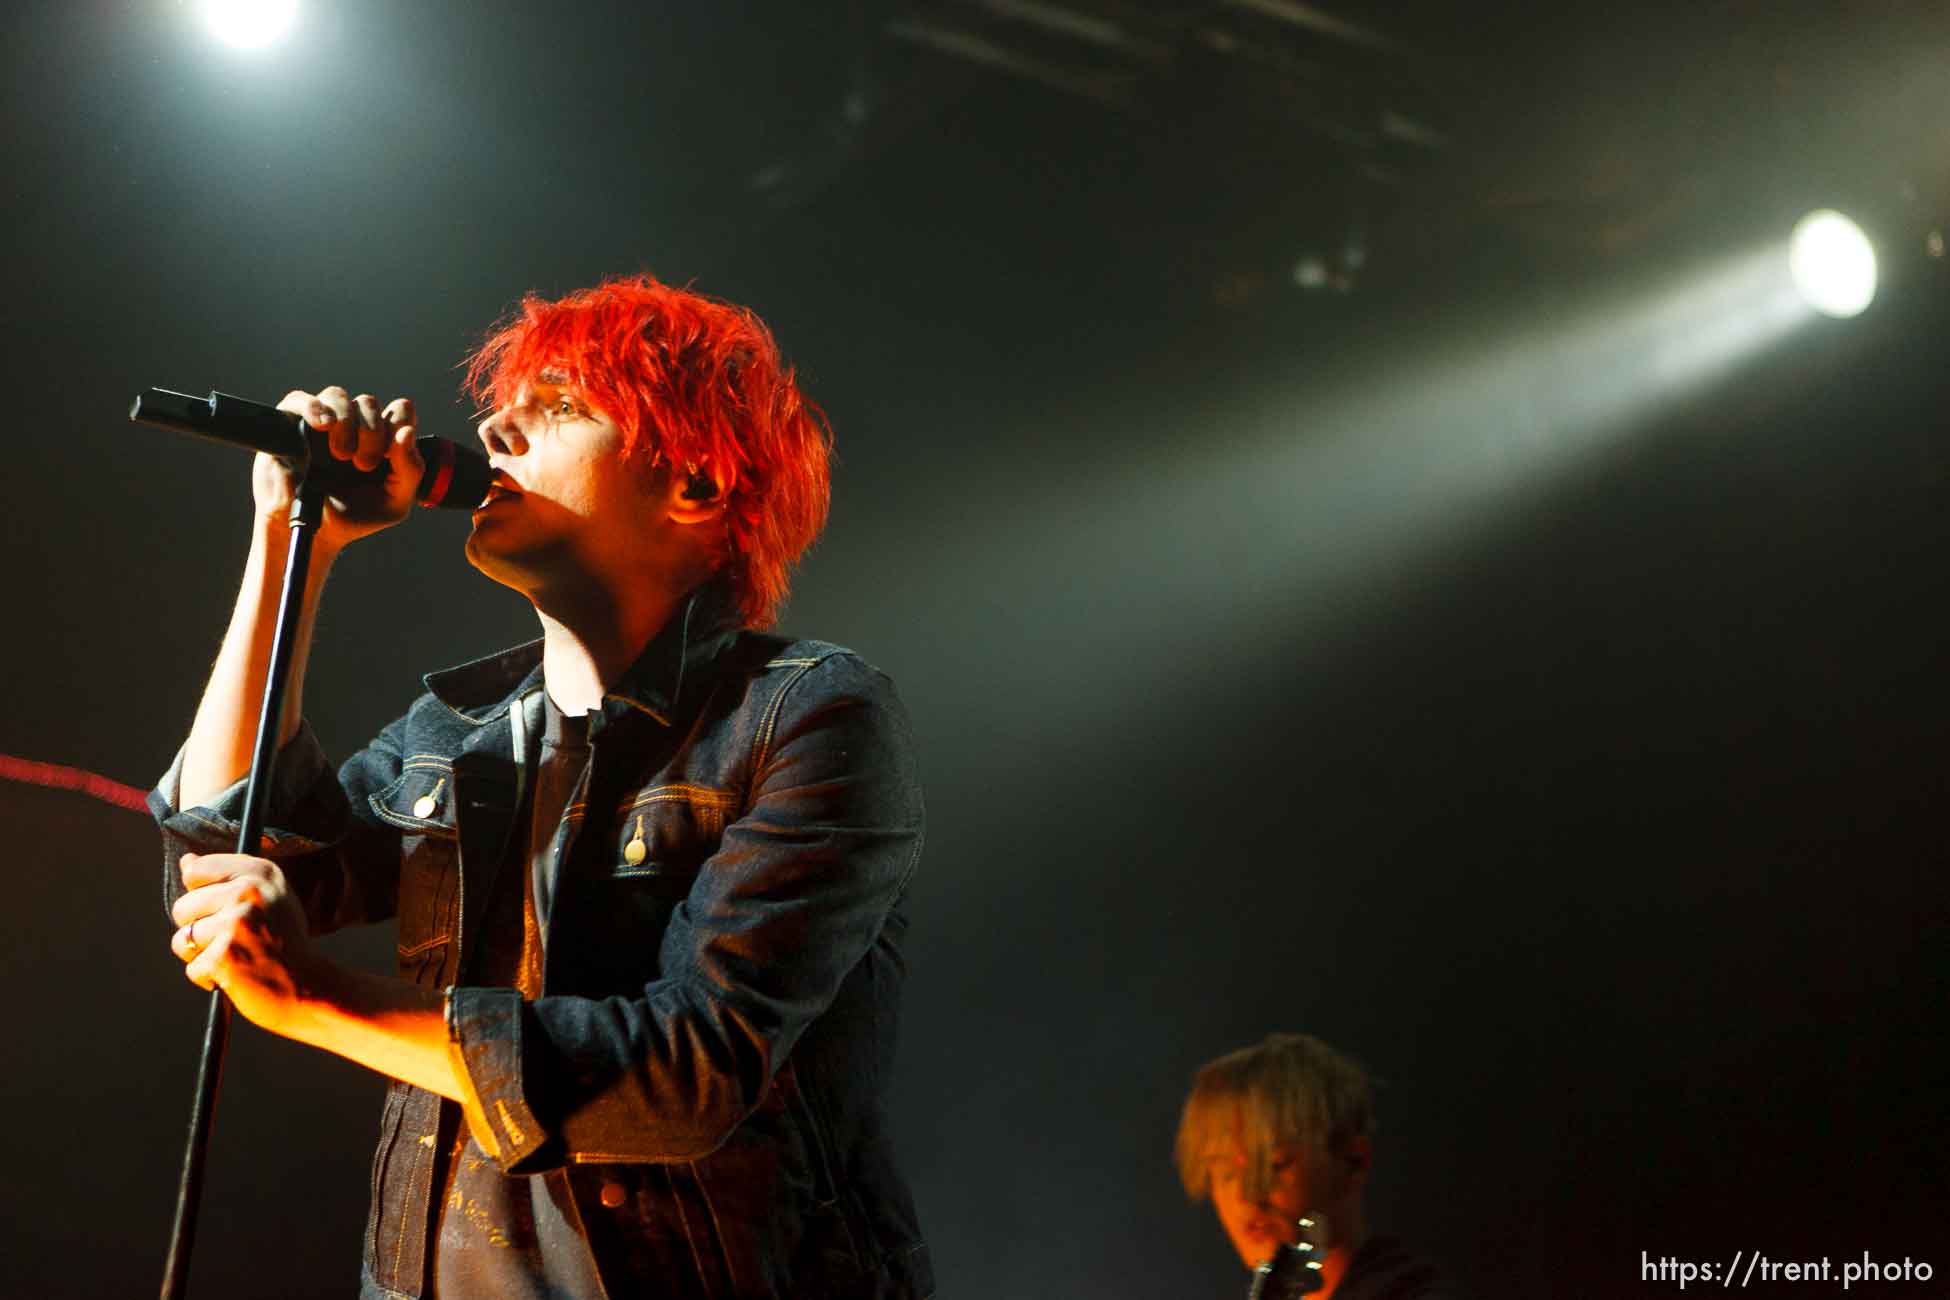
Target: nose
{"x": 501, "y": 433}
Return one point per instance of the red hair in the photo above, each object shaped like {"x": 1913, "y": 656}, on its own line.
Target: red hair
{"x": 690, "y": 380}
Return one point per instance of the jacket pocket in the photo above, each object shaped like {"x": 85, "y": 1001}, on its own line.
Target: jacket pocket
{"x": 421, "y": 800}
{"x": 421, "y": 803}
{"x": 667, "y": 830}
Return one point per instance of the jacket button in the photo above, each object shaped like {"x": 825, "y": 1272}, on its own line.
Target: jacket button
{"x": 613, "y": 1194}
{"x": 423, "y": 806}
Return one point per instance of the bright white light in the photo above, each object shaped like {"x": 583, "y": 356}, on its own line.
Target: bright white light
{"x": 249, "y": 24}
{"x": 1833, "y": 264}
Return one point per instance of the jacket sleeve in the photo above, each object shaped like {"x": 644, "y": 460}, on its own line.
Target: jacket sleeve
{"x": 341, "y": 860}
{"x": 796, "y": 894}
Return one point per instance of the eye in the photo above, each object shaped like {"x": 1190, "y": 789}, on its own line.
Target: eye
{"x": 565, "y": 406}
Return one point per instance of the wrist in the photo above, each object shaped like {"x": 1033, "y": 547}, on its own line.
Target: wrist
{"x": 384, "y": 1024}
{"x": 274, "y": 528}
{"x": 271, "y": 548}
{"x": 320, "y": 1000}
{"x": 270, "y": 532}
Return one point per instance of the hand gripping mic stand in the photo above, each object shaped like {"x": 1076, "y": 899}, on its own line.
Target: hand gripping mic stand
{"x": 455, "y": 477}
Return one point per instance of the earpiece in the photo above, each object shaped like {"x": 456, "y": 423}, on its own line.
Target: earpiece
{"x": 702, "y": 487}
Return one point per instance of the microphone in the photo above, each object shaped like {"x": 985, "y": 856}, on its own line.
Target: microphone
{"x": 456, "y": 477}
{"x": 1294, "y": 1270}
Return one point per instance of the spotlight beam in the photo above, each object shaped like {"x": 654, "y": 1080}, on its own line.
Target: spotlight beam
{"x": 1285, "y": 520}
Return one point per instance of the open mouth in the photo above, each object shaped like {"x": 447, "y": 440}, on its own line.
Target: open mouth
{"x": 500, "y": 489}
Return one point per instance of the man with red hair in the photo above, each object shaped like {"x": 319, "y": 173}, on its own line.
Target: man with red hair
{"x": 648, "y": 870}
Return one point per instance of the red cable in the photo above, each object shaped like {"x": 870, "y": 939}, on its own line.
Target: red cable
{"x": 73, "y": 778}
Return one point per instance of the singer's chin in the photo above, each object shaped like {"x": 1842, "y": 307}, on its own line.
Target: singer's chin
{"x": 504, "y": 558}
{"x": 483, "y": 555}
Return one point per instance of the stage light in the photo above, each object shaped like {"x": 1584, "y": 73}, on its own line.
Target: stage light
{"x": 1833, "y": 264}
{"x": 249, "y": 24}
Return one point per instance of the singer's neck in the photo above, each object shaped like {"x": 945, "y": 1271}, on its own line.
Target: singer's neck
{"x": 592, "y": 630}
{"x": 584, "y": 650}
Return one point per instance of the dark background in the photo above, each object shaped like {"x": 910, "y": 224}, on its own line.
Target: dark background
{"x": 1438, "y": 666}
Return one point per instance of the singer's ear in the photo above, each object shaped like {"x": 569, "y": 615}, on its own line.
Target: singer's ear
{"x": 693, "y": 492}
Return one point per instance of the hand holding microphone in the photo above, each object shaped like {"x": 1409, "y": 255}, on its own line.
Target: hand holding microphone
{"x": 375, "y": 441}
{"x": 366, "y": 456}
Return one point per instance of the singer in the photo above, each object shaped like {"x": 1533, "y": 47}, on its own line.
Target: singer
{"x": 648, "y": 870}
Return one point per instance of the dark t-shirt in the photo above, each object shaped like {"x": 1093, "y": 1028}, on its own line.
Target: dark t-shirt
{"x": 488, "y": 1234}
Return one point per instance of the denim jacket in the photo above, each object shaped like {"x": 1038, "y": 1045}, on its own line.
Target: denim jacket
{"x": 703, "y": 1077}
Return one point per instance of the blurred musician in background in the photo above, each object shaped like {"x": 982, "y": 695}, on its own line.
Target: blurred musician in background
{"x": 1278, "y": 1136}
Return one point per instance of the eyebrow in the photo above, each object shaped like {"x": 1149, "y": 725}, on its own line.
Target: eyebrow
{"x": 553, "y": 385}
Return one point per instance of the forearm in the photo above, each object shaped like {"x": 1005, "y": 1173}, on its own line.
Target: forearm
{"x": 384, "y": 1024}
{"x": 225, "y": 729}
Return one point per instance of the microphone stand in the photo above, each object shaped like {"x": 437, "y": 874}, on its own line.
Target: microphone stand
{"x": 307, "y": 509}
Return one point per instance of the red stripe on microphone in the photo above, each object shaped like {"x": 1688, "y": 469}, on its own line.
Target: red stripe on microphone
{"x": 442, "y": 479}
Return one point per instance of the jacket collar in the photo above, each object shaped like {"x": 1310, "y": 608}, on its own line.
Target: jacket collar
{"x": 674, "y": 662}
